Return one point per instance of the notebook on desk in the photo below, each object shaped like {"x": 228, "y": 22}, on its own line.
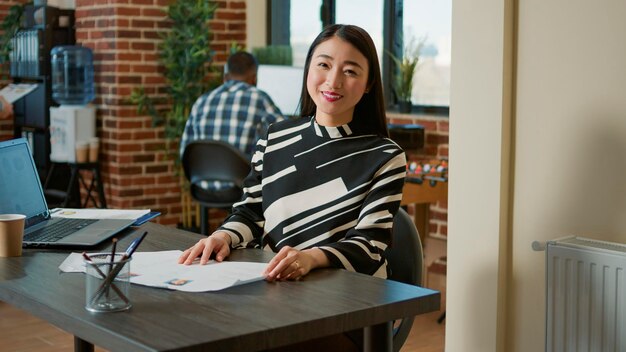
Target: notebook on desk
{"x": 21, "y": 193}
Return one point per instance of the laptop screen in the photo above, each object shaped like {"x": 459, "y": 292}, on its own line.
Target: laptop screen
{"x": 20, "y": 188}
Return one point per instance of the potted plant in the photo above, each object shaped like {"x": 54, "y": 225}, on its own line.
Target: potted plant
{"x": 405, "y": 73}
{"x": 185, "y": 54}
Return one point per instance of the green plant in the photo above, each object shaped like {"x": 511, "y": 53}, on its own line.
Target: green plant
{"x": 274, "y": 55}
{"x": 185, "y": 55}
{"x": 406, "y": 67}
{"x": 9, "y": 27}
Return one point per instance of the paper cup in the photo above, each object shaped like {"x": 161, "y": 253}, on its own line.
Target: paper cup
{"x": 11, "y": 234}
{"x": 82, "y": 152}
{"x": 94, "y": 146}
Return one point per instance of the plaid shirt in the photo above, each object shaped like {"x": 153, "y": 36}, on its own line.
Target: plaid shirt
{"x": 235, "y": 112}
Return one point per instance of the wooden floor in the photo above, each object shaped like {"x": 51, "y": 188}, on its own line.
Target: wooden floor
{"x": 21, "y": 332}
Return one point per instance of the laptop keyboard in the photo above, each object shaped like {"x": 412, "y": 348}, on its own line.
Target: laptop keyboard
{"x": 60, "y": 229}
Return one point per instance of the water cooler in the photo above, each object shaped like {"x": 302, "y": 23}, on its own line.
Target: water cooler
{"x": 73, "y": 122}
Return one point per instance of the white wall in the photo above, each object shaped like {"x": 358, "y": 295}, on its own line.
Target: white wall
{"x": 571, "y": 140}
{"x": 480, "y": 112}
{"x": 568, "y": 162}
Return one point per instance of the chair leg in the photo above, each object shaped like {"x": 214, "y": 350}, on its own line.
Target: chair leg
{"x": 441, "y": 317}
{"x": 204, "y": 220}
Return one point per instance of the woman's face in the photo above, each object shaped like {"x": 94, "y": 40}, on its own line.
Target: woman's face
{"x": 336, "y": 81}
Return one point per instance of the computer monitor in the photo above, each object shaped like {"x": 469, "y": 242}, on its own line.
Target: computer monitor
{"x": 283, "y": 84}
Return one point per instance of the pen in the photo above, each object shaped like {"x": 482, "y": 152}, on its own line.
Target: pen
{"x": 117, "y": 290}
{"x": 129, "y": 252}
{"x": 133, "y": 245}
{"x": 112, "y": 261}
{"x": 113, "y": 254}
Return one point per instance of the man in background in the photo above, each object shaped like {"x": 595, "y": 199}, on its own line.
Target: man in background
{"x": 237, "y": 112}
{"x": 6, "y": 109}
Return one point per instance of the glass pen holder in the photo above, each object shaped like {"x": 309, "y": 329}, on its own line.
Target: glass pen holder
{"x": 107, "y": 283}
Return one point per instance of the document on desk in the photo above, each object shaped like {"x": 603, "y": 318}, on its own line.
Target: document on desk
{"x": 97, "y": 213}
{"x": 140, "y": 216}
{"x": 161, "y": 269}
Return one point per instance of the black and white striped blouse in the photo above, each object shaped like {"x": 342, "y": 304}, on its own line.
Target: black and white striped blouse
{"x": 325, "y": 187}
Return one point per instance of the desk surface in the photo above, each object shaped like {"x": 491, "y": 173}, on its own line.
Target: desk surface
{"x": 249, "y": 317}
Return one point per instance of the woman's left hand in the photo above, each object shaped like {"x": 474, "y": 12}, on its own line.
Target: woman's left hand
{"x": 293, "y": 264}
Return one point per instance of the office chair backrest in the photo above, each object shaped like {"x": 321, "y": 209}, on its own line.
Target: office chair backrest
{"x": 405, "y": 261}
{"x": 405, "y": 255}
{"x": 214, "y": 160}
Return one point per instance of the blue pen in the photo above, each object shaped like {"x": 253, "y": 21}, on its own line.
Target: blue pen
{"x": 133, "y": 245}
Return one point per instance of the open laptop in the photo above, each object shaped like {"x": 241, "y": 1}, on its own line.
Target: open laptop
{"x": 21, "y": 193}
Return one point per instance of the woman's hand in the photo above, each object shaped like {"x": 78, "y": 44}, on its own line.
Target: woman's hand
{"x": 292, "y": 264}
{"x": 218, "y": 243}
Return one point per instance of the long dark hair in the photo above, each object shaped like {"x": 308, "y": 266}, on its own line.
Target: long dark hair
{"x": 369, "y": 114}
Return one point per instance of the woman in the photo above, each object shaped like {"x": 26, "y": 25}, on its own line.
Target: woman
{"x": 324, "y": 187}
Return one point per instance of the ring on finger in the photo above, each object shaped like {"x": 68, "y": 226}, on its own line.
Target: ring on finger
{"x": 297, "y": 264}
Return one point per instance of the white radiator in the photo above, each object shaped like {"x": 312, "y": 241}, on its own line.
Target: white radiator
{"x": 586, "y": 297}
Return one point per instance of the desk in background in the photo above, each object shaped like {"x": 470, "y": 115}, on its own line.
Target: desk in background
{"x": 250, "y": 317}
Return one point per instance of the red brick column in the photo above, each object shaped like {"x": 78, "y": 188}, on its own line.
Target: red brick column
{"x": 124, "y": 37}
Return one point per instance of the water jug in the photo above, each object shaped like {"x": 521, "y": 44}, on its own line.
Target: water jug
{"x": 72, "y": 75}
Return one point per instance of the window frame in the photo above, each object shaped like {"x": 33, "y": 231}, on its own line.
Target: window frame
{"x": 278, "y": 17}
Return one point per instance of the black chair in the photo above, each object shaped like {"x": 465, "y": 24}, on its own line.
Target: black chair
{"x": 215, "y": 171}
{"x": 405, "y": 261}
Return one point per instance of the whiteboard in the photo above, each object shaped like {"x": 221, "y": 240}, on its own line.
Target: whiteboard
{"x": 283, "y": 84}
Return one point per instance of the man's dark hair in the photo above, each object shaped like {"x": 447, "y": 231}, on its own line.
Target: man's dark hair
{"x": 241, "y": 63}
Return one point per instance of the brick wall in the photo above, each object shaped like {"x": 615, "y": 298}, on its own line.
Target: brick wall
{"x": 435, "y": 148}
{"x": 124, "y": 37}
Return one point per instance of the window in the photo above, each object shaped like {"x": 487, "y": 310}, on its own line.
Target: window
{"x": 367, "y": 17}
{"x": 430, "y": 20}
{"x": 390, "y": 23}
{"x": 303, "y": 29}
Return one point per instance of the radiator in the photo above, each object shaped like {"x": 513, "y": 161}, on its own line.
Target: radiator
{"x": 585, "y": 295}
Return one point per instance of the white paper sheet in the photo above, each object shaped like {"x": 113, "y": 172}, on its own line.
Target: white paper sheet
{"x": 95, "y": 213}
{"x": 160, "y": 269}
{"x": 13, "y": 91}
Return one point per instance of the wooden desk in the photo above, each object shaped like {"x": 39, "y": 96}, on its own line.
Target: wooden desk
{"x": 251, "y": 317}
{"x": 422, "y": 195}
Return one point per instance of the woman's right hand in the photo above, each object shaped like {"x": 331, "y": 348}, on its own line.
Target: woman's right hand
{"x": 218, "y": 243}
